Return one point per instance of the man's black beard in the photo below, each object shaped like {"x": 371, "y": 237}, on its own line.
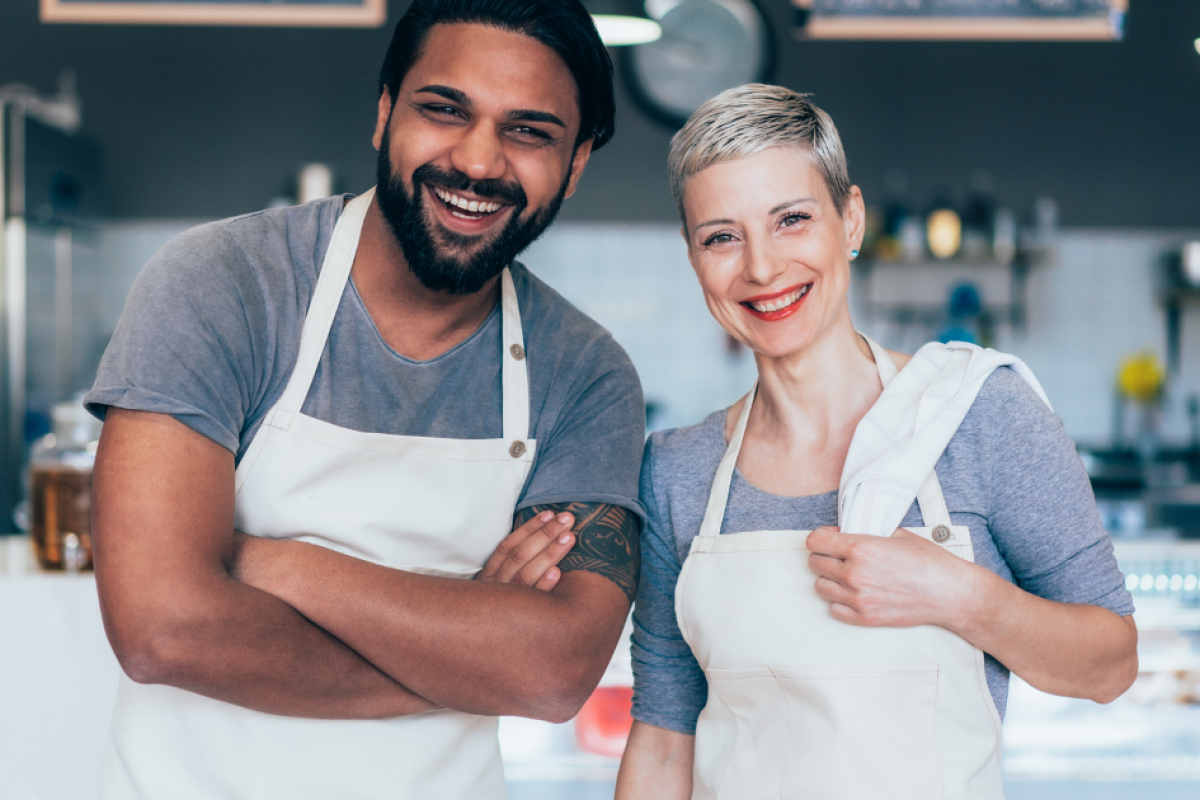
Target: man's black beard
{"x": 444, "y": 261}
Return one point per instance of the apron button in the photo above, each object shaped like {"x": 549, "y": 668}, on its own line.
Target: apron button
{"x": 941, "y": 533}
{"x": 517, "y": 351}
{"x": 518, "y": 448}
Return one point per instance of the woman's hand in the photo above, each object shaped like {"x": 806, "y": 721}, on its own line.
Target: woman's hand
{"x": 897, "y": 581}
{"x": 1068, "y": 649}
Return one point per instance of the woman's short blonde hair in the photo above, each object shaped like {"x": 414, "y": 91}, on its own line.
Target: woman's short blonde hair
{"x": 748, "y": 119}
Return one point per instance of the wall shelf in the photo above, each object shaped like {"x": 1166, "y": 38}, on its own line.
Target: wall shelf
{"x": 1014, "y": 312}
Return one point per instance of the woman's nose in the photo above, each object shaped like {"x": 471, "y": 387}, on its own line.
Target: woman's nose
{"x": 478, "y": 154}
{"x": 761, "y": 265}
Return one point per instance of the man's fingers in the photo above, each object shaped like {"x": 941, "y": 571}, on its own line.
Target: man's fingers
{"x": 533, "y": 572}
{"x": 510, "y": 543}
{"x": 549, "y": 580}
{"x": 532, "y": 546}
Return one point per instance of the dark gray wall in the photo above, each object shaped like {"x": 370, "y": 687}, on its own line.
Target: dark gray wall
{"x": 207, "y": 122}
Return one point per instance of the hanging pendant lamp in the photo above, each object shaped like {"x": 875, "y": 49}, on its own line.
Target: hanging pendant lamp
{"x": 623, "y": 22}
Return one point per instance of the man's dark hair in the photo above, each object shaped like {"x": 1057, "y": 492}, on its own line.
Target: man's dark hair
{"x": 562, "y": 25}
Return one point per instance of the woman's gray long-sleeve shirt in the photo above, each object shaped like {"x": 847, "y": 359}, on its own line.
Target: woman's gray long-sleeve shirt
{"x": 1010, "y": 474}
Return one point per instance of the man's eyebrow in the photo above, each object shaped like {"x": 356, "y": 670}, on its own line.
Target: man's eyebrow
{"x": 529, "y": 115}
{"x": 447, "y": 92}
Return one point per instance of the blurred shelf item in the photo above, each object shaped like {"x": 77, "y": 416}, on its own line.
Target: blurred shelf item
{"x": 1015, "y": 273}
{"x": 1182, "y": 289}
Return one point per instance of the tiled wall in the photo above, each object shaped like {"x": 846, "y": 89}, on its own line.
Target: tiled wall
{"x": 1096, "y": 302}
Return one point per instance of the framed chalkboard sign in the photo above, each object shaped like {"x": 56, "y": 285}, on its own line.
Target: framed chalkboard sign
{"x": 312, "y": 13}
{"x": 1061, "y": 20}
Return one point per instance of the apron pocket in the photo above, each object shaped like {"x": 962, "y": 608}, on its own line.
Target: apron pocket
{"x": 861, "y": 733}
{"x": 741, "y": 736}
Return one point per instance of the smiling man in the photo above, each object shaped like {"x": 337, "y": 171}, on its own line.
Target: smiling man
{"x": 322, "y": 422}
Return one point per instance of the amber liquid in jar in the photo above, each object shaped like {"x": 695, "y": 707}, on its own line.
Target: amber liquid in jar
{"x": 62, "y": 505}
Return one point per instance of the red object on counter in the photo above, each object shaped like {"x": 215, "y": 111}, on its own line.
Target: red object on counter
{"x": 602, "y": 725}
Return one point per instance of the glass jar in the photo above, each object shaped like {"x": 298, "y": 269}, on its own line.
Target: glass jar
{"x": 60, "y": 490}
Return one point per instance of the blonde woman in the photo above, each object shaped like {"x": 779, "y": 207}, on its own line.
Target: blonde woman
{"x": 840, "y": 570}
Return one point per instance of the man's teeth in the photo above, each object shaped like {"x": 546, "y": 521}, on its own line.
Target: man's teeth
{"x": 780, "y": 302}
{"x": 466, "y": 205}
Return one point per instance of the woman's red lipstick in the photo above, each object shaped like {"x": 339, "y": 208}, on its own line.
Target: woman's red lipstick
{"x": 779, "y": 313}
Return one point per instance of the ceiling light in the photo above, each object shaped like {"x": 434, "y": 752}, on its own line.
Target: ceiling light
{"x": 616, "y": 31}
{"x": 622, "y": 22}
{"x": 1197, "y": 43}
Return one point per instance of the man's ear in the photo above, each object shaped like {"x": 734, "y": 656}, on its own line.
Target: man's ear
{"x": 383, "y": 114}
{"x": 578, "y": 161}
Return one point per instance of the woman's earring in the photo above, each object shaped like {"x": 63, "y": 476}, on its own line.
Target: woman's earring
{"x": 853, "y": 254}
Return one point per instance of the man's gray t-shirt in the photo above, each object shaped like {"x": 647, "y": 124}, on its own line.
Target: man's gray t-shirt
{"x": 211, "y": 332}
{"x": 1010, "y": 474}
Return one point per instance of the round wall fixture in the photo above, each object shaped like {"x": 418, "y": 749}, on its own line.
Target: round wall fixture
{"x": 707, "y": 46}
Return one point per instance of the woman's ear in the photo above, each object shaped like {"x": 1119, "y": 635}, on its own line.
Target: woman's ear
{"x": 855, "y": 219}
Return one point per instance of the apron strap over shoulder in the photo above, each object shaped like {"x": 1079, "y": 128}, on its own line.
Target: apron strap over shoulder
{"x": 514, "y": 364}
{"x": 327, "y": 296}
{"x": 718, "y": 497}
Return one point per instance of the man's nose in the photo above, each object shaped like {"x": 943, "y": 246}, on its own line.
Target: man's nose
{"x": 479, "y": 154}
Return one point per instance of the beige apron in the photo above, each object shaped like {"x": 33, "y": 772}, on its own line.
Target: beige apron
{"x": 436, "y": 506}
{"x": 803, "y": 706}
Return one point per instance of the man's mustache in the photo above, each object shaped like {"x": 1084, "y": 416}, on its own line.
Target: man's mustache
{"x": 493, "y": 190}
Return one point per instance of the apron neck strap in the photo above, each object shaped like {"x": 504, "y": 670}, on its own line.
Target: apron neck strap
{"x": 929, "y": 499}
{"x": 714, "y": 515}
{"x": 327, "y": 297}
{"x": 514, "y": 363}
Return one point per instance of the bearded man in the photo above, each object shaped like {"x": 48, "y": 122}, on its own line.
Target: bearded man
{"x": 366, "y": 483}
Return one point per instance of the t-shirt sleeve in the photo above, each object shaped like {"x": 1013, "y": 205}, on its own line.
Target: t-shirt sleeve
{"x": 1043, "y": 514}
{"x": 593, "y": 453}
{"x": 186, "y": 341}
{"x": 669, "y": 688}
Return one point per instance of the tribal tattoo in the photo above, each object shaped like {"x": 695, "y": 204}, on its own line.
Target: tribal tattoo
{"x": 606, "y": 541}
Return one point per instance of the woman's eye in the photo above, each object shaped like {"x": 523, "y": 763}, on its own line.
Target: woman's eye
{"x": 718, "y": 238}
{"x": 793, "y": 219}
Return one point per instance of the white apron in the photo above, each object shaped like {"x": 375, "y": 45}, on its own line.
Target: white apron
{"x": 435, "y": 506}
{"x": 803, "y": 706}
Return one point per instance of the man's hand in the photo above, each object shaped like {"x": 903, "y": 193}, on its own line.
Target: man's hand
{"x": 465, "y": 644}
{"x": 529, "y": 556}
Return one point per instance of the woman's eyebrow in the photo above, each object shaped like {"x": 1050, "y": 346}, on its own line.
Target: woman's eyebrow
{"x": 714, "y": 222}
{"x": 790, "y": 203}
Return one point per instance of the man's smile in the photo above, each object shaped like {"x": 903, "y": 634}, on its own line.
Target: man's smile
{"x": 463, "y": 213}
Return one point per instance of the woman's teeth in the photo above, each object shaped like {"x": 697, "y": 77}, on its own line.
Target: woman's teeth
{"x": 472, "y": 206}
{"x": 780, "y": 302}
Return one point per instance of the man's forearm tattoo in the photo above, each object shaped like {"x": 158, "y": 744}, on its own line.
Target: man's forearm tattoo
{"x": 606, "y": 541}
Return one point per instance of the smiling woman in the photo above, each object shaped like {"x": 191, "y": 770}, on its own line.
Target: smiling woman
{"x": 839, "y": 571}
{"x": 316, "y": 13}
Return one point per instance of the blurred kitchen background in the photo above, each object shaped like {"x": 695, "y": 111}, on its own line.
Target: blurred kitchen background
{"x": 1033, "y": 173}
